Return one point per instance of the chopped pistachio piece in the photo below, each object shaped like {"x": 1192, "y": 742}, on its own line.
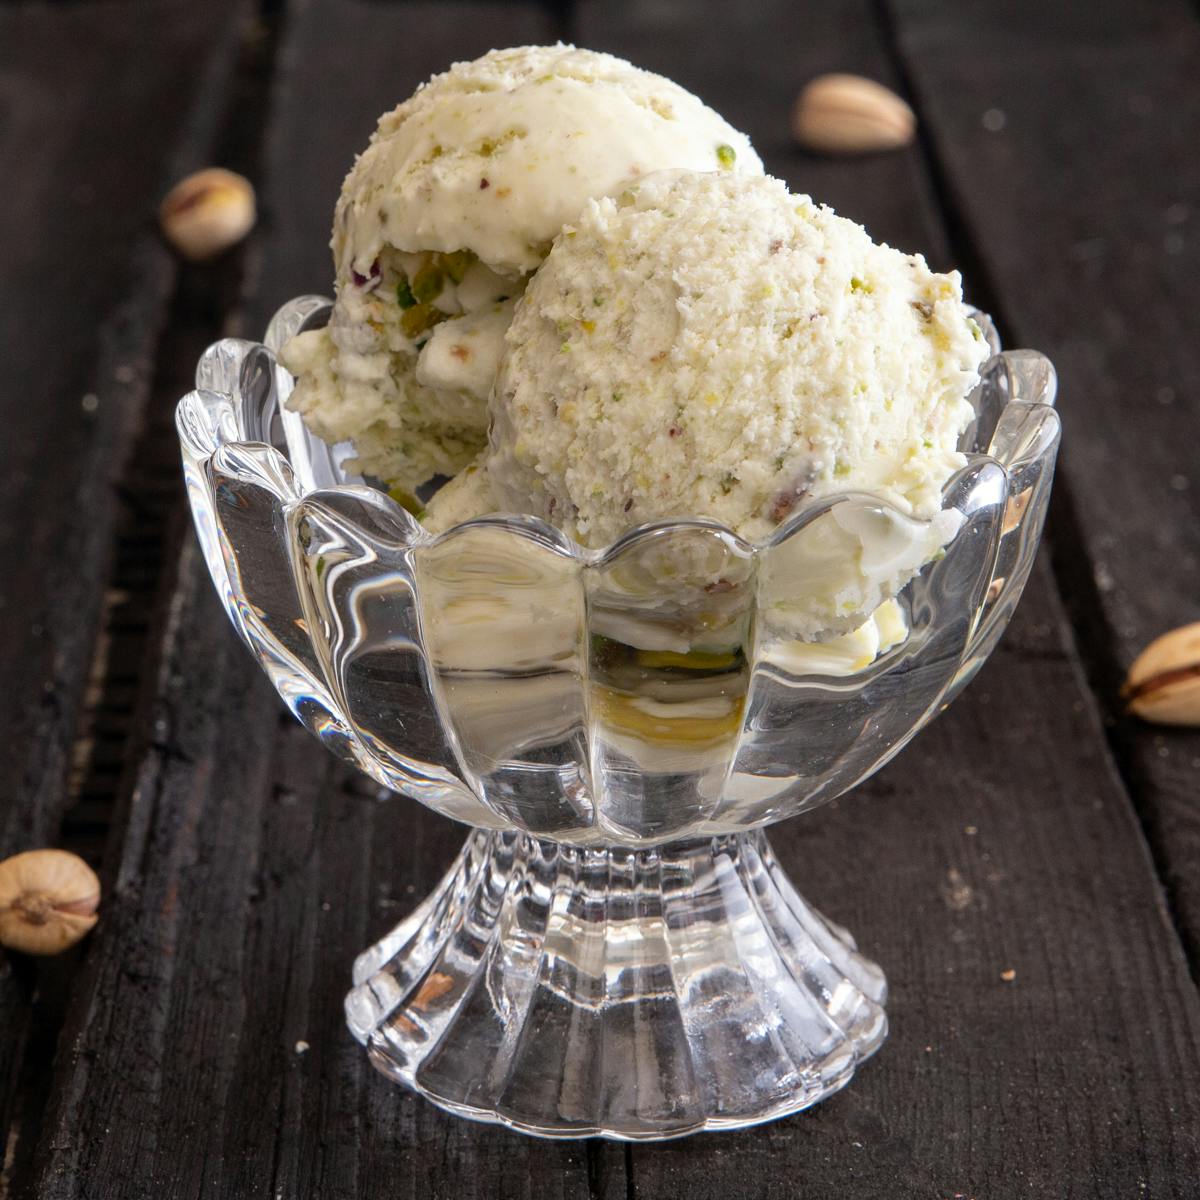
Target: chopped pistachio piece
{"x": 693, "y": 660}
{"x": 407, "y": 501}
{"x": 427, "y": 283}
{"x": 420, "y": 318}
{"x": 456, "y": 263}
{"x": 726, "y": 156}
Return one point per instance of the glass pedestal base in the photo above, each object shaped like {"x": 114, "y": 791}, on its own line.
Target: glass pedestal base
{"x": 630, "y": 994}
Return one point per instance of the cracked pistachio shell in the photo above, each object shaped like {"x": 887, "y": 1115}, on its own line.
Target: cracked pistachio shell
{"x": 207, "y": 213}
{"x": 1163, "y": 684}
{"x": 48, "y": 901}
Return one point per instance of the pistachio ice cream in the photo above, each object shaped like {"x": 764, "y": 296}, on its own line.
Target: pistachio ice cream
{"x": 706, "y": 344}
{"x": 455, "y": 201}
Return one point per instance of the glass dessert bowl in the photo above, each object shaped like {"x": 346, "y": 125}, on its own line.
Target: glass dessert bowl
{"x": 616, "y": 951}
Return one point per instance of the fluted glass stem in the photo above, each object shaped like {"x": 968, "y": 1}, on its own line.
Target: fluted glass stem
{"x": 625, "y": 993}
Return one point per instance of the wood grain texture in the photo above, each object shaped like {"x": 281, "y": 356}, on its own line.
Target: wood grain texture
{"x": 103, "y": 106}
{"x": 100, "y": 106}
{"x": 1084, "y": 211}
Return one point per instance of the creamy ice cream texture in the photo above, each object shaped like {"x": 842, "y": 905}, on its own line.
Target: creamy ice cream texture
{"x": 455, "y": 201}
{"x": 711, "y": 345}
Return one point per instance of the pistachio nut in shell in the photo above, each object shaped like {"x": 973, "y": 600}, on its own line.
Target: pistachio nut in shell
{"x": 207, "y": 213}
{"x": 48, "y": 901}
{"x": 847, "y": 114}
{"x": 1163, "y": 684}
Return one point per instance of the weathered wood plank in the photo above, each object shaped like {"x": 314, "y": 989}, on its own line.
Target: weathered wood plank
{"x": 102, "y": 105}
{"x": 252, "y": 868}
{"x": 1000, "y": 840}
{"x": 1081, "y": 196}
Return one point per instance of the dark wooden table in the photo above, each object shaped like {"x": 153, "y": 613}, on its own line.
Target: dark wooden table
{"x": 1027, "y": 872}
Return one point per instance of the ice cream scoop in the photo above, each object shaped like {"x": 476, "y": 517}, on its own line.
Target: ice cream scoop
{"x": 455, "y": 201}
{"x": 705, "y": 344}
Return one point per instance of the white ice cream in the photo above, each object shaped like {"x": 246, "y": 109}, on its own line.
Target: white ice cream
{"x": 710, "y": 345}
{"x": 456, "y": 199}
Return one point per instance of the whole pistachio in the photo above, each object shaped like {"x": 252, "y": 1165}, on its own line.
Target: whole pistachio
{"x": 1163, "y": 684}
{"x": 48, "y": 901}
{"x": 847, "y": 114}
{"x": 207, "y": 213}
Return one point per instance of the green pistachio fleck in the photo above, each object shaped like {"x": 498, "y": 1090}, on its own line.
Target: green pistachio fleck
{"x": 487, "y": 147}
{"x": 728, "y": 483}
{"x": 598, "y": 301}
{"x": 407, "y": 501}
{"x": 861, "y": 285}
{"x": 780, "y": 461}
{"x": 404, "y": 295}
{"x": 939, "y": 555}
{"x": 976, "y": 332}
{"x": 420, "y": 319}
{"x": 841, "y": 470}
{"x": 427, "y": 283}
{"x": 726, "y": 156}
{"x": 565, "y": 348}
{"x": 927, "y": 444}
{"x": 456, "y": 263}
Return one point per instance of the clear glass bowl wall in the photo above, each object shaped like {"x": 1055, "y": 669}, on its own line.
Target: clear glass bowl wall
{"x": 659, "y": 690}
